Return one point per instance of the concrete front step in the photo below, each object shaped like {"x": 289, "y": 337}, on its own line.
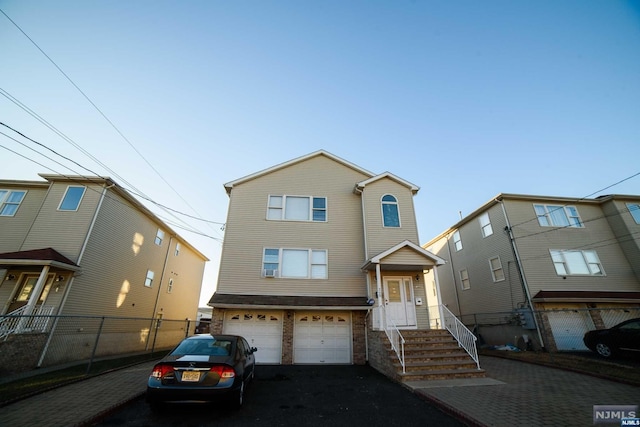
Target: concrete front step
{"x": 437, "y": 366}
{"x": 445, "y": 374}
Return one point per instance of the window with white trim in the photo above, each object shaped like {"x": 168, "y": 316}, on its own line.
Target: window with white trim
{"x": 464, "y": 279}
{"x": 148, "y": 281}
{"x": 496, "y": 269}
{"x": 457, "y": 241}
{"x": 170, "y": 285}
{"x": 390, "y": 212}
{"x": 10, "y": 201}
{"x": 572, "y": 262}
{"x": 72, "y": 198}
{"x": 177, "y": 252}
{"x": 634, "y": 210}
{"x": 159, "y": 237}
{"x": 485, "y": 225}
{"x": 295, "y": 263}
{"x": 297, "y": 208}
{"x": 558, "y": 216}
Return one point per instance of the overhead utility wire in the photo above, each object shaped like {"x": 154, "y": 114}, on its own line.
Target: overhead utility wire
{"x": 99, "y": 111}
{"x": 97, "y": 174}
{"x": 35, "y": 115}
{"x": 74, "y": 179}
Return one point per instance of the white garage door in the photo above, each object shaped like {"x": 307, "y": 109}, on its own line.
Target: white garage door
{"x": 569, "y": 327}
{"x": 263, "y": 330}
{"x": 613, "y": 317}
{"x": 322, "y": 337}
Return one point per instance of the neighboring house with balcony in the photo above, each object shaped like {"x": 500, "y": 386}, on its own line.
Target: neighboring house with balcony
{"x": 84, "y": 246}
{"x": 575, "y": 262}
{"x": 320, "y": 257}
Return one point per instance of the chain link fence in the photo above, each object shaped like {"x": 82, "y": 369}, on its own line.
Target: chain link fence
{"x": 31, "y": 342}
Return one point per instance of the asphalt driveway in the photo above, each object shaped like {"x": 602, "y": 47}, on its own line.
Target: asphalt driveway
{"x": 300, "y": 395}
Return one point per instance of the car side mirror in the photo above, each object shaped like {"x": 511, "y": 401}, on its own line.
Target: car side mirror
{"x": 253, "y": 349}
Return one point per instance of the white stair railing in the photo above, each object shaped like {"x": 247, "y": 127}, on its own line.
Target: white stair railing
{"x": 393, "y": 334}
{"x": 461, "y": 333}
{"x": 16, "y": 322}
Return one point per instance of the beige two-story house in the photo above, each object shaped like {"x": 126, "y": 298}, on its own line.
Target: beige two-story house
{"x": 316, "y": 251}
{"x": 84, "y": 246}
{"x": 574, "y": 262}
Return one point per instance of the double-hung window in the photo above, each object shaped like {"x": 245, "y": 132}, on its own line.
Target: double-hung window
{"x": 634, "y": 210}
{"x": 297, "y": 208}
{"x": 159, "y": 237}
{"x": 558, "y": 216}
{"x": 148, "y": 281}
{"x": 457, "y": 241}
{"x": 485, "y": 225}
{"x": 464, "y": 279}
{"x": 496, "y": 269}
{"x": 572, "y": 262}
{"x": 10, "y": 201}
{"x": 390, "y": 213}
{"x": 295, "y": 263}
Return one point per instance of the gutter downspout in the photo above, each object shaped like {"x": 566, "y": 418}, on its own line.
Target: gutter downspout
{"x": 453, "y": 275}
{"x": 68, "y": 290}
{"x": 155, "y": 305}
{"x": 525, "y": 286}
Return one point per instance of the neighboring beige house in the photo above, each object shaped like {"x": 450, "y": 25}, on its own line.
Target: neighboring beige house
{"x": 577, "y": 261}
{"x": 315, "y": 250}
{"x": 84, "y": 246}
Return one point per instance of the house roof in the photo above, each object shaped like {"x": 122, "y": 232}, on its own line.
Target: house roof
{"x": 528, "y": 197}
{"x": 46, "y": 256}
{"x": 229, "y": 185}
{"x": 288, "y": 302}
{"x": 414, "y": 188}
{"x": 432, "y": 258}
{"x": 112, "y": 185}
{"x": 586, "y": 296}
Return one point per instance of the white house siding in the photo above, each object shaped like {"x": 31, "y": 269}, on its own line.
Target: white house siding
{"x": 380, "y": 238}
{"x": 14, "y": 228}
{"x": 62, "y": 230}
{"x": 535, "y": 241}
{"x": 248, "y": 231}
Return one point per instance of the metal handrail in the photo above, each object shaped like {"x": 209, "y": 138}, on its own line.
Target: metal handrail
{"x": 395, "y": 337}
{"x": 461, "y": 333}
{"x": 17, "y": 322}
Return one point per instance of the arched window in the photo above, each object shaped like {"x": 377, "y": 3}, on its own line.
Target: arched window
{"x": 390, "y": 214}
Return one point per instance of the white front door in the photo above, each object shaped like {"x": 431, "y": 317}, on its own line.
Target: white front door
{"x": 398, "y": 301}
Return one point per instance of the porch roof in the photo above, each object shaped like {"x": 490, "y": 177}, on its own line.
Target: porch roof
{"x": 587, "y": 296}
{"x": 45, "y": 256}
{"x": 288, "y": 302}
{"x": 426, "y": 259}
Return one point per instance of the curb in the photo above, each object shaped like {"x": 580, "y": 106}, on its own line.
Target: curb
{"x": 92, "y": 420}
{"x": 450, "y": 410}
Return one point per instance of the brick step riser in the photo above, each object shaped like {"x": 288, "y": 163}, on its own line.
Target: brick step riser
{"x": 426, "y": 360}
{"x": 431, "y": 351}
{"x": 435, "y": 368}
{"x": 436, "y": 376}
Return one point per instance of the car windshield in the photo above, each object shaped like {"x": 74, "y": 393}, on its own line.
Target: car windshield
{"x": 204, "y": 347}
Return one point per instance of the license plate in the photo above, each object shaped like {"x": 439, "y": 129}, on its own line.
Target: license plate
{"x": 191, "y": 376}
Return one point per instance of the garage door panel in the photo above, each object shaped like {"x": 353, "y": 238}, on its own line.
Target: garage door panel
{"x": 262, "y": 330}
{"x": 568, "y": 329}
{"x": 322, "y": 337}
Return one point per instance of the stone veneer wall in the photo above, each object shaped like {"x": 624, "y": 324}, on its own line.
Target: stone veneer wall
{"x": 379, "y": 359}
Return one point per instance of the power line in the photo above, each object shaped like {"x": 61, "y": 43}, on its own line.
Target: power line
{"x": 100, "y": 112}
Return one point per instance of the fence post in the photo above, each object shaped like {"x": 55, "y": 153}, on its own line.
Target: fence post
{"x": 155, "y": 334}
{"x": 95, "y": 346}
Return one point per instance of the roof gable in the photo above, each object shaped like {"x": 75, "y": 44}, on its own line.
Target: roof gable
{"x": 387, "y": 175}
{"x": 229, "y": 185}
{"x": 401, "y": 246}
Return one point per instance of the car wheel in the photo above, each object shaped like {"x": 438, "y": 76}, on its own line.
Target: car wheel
{"x": 604, "y": 350}
{"x": 238, "y": 397}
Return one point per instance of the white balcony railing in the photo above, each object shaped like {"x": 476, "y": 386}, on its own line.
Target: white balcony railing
{"x": 16, "y": 322}
{"x": 393, "y": 334}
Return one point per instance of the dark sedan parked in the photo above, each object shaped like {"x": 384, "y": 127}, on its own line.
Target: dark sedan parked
{"x": 203, "y": 368}
{"x": 608, "y": 342}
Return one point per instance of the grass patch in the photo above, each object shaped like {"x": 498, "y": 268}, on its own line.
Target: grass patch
{"x": 33, "y": 384}
{"x": 597, "y": 367}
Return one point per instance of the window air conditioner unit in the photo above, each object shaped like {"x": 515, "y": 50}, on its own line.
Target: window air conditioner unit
{"x": 270, "y": 273}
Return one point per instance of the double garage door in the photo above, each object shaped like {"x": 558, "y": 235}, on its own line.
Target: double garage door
{"x": 318, "y": 337}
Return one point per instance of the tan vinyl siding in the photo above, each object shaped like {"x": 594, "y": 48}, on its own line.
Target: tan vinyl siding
{"x": 114, "y": 267}
{"x": 381, "y": 238}
{"x": 13, "y": 229}
{"x": 534, "y": 243}
{"x": 62, "y": 230}
{"x": 248, "y": 231}
{"x": 626, "y": 230}
{"x": 404, "y": 256}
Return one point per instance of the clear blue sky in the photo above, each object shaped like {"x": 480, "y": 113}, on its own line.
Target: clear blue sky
{"x": 465, "y": 99}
